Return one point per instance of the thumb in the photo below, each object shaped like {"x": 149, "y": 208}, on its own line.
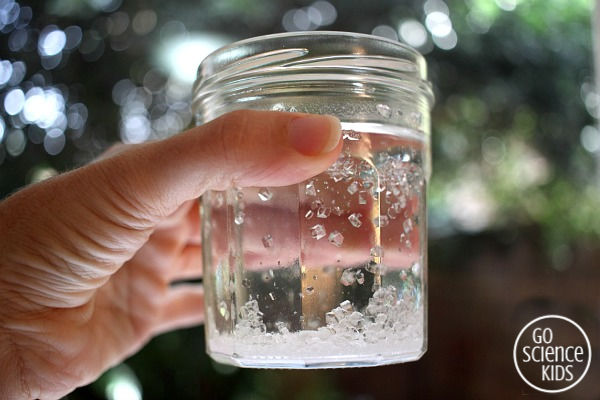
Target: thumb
{"x": 243, "y": 148}
{"x": 89, "y": 221}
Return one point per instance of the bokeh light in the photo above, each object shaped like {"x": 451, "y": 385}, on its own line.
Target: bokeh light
{"x": 54, "y": 141}
{"x": 18, "y": 39}
{"x": 385, "y": 31}
{"x": 9, "y": 12}
{"x": 14, "y": 101}
{"x": 318, "y": 14}
{"x": 15, "y": 142}
{"x": 590, "y": 139}
{"x": 19, "y": 69}
{"x": 431, "y": 6}
{"x": 327, "y": 14}
{"x": 45, "y": 108}
{"x": 181, "y": 53}
{"x": 2, "y": 128}
{"x": 74, "y": 35}
{"x": 144, "y": 22}
{"x": 123, "y": 390}
{"x": 478, "y": 22}
{"x": 447, "y": 42}
{"x": 105, "y": 5}
{"x": 117, "y": 23}
{"x": 493, "y": 150}
{"x": 35, "y": 103}
{"x": 135, "y": 128}
{"x": 40, "y": 173}
{"x": 470, "y": 204}
{"x": 506, "y": 5}
{"x": 6, "y": 70}
{"x": 413, "y": 33}
{"x": 77, "y": 116}
{"x": 438, "y": 23}
{"x": 25, "y": 16}
{"x": 122, "y": 384}
{"x": 52, "y": 41}
{"x": 92, "y": 45}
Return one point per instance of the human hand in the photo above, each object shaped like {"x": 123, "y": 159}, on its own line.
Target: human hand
{"x": 87, "y": 258}
{"x": 280, "y": 218}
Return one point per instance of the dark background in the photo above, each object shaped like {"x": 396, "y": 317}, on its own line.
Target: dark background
{"x": 513, "y": 201}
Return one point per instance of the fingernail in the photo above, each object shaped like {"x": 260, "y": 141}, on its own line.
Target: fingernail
{"x": 312, "y": 135}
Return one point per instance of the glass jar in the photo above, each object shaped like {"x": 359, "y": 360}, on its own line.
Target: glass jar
{"x": 330, "y": 272}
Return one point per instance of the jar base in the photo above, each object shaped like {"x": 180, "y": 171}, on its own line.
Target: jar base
{"x": 324, "y": 362}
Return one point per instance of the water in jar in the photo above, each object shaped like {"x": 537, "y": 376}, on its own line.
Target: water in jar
{"x": 325, "y": 273}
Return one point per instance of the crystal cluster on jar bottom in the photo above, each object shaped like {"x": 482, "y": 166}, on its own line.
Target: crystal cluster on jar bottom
{"x": 387, "y": 320}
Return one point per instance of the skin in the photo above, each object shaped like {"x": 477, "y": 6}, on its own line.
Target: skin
{"x": 88, "y": 258}
{"x": 279, "y": 218}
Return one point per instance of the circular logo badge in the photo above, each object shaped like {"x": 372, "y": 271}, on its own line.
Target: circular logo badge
{"x": 552, "y": 353}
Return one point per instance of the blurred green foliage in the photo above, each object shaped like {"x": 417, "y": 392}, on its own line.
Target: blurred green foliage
{"x": 507, "y": 125}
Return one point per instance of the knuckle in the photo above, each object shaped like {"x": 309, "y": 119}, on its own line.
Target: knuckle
{"x": 232, "y": 134}
{"x": 234, "y": 125}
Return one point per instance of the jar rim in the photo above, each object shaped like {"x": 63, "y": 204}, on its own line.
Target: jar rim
{"x": 327, "y": 54}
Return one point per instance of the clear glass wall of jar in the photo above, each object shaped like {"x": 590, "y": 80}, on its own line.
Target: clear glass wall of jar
{"x": 331, "y": 272}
